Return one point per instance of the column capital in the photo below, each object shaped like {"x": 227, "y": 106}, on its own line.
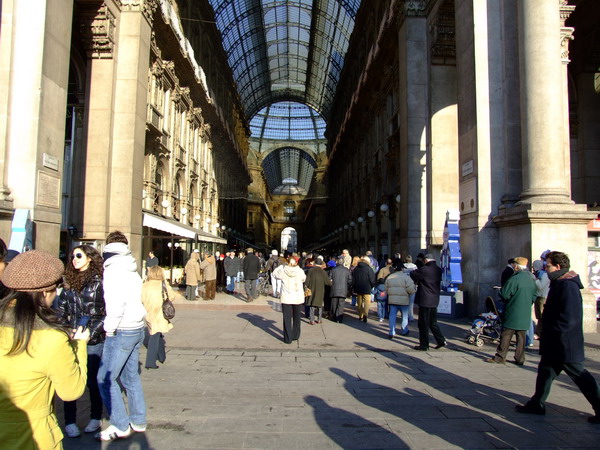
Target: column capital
{"x": 566, "y": 33}
{"x": 147, "y": 7}
{"x": 97, "y": 27}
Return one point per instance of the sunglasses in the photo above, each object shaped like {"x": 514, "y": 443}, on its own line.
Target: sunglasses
{"x": 78, "y": 255}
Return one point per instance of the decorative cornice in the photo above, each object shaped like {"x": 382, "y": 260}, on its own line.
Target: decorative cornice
{"x": 443, "y": 36}
{"x": 566, "y": 33}
{"x": 147, "y": 7}
{"x": 415, "y": 7}
{"x": 97, "y": 28}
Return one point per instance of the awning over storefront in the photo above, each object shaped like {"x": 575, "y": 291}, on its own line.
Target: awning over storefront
{"x": 179, "y": 229}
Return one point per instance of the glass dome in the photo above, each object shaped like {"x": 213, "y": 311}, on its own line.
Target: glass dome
{"x": 287, "y": 121}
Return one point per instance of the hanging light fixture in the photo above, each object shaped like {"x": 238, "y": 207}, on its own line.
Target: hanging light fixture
{"x": 165, "y": 203}
{"x": 371, "y": 214}
{"x": 360, "y": 219}
{"x": 384, "y": 208}
{"x": 184, "y": 210}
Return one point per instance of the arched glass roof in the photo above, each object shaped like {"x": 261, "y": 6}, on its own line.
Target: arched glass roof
{"x": 286, "y": 49}
{"x": 289, "y": 170}
{"x": 287, "y": 121}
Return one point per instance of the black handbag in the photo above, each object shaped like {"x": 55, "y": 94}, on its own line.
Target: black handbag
{"x": 167, "y": 307}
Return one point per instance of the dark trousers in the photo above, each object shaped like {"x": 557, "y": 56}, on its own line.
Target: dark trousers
{"x": 93, "y": 363}
{"x": 291, "y": 322}
{"x": 156, "y": 349}
{"x": 210, "y": 287}
{"x": 549, "y": 370}
{"x": 505, "y": 337}
{"x": 337, "y": 308}
{"x": 428, "y": 321}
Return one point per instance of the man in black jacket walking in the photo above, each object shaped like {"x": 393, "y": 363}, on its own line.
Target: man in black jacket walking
{"x": 428, "y": 279}
{"x": 251, "y": 268}
{"x": 363, "y": 281}
{"x": 561, "y": 343}
{"x": 341, "y": 279}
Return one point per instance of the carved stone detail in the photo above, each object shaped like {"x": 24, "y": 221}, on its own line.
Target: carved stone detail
{"x": 415, "y": 7}
{"x": 566, "y": 33}
{"x": 97, "y": 28}
{"x": 147, "y": 7}
{"x": 443, "y": 36}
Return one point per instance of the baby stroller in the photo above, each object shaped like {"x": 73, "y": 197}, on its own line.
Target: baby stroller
{"x": 487, "y": 326}
{"x": 264, "y": 283}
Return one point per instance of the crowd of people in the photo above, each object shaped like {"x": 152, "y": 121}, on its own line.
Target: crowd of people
{"x": 62, "y": 328}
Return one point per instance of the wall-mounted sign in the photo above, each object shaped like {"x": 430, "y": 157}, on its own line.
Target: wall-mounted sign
{"x": 49, "y": 161}
{"x": 467, "y": 168}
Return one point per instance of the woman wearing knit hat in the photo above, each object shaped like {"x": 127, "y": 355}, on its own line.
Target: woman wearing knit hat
{"x": 82, "y": 300}
{"x": 37, "y": 355}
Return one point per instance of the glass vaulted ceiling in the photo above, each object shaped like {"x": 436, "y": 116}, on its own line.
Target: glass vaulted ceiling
{"x": 286, "y": 50}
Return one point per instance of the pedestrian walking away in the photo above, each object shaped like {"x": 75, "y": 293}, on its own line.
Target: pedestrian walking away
{"x": 428, "y": 278}
{"x": 154, "y": 291}
{"x": 292, "y": 298}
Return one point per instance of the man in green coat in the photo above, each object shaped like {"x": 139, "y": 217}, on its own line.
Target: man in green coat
{"x": 519, "y": 293}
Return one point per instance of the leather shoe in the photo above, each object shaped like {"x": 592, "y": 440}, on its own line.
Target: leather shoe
{"x": 594, "y": 419}
{"x": 443, "y": 344}
{"x": 493, "y": 361}
{"x": 529, "y": 408}
{"x": 421, "y": 349}
{"x": 364, "y": 319}
{"x": 391, "y": 336}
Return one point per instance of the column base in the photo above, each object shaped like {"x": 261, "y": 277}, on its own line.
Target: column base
{"x": 528, "y": 229}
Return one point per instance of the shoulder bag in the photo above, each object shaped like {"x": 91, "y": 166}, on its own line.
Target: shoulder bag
{"x": 167, "y": 307}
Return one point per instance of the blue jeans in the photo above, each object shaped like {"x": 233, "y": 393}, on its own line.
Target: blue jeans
{"x": 94, "y": 354}
{"x": 354, "y": 300}
{"x": 231, "y": 283}
{"x": 394, "y": 313}
{"x": 529, "y": 336}
{"x": 411, "y": 307}
{"x": 120, "y": 362}
{"x": 381, "y": 309}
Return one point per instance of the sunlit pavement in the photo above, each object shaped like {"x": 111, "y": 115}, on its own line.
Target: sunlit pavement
{"x": 230, "y": 382}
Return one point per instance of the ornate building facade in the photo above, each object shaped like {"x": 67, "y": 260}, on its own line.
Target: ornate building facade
{"x": 140, "y": 115}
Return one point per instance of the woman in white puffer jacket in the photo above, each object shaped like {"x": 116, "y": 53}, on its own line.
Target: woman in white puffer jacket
{"x": 399, "y": 287}
{"x": 292, "y": 298}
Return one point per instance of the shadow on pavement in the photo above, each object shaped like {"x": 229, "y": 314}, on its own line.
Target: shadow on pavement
{"x": 268, "y": 326}
{"x": 349, "y": 430}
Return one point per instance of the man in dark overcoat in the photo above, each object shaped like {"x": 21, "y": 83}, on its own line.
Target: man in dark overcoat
{"x": 251, "y": 268}
{"x": 428, "y": 279}
{"x": 561, "y": 343}
{"x": 363, "y": 281}
{"x": 519, "y": 293}
{"x": 341, "y": 279}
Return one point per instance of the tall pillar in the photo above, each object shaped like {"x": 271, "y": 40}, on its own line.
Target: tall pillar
{"x": 542, "y": 103}
{"x": 545, "y": 217}
{"x": 129, "y": 123}
{"x": 413, "y": 121}
{"x": 39, "y": 45}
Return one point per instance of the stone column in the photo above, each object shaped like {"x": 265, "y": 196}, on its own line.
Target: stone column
{"x": 129, "y": 120}
{"x": 38, "y": 41}
{"x": 413, "y": 121}
{"x": 542, "y": 103}
{"x": 545, "y": 217}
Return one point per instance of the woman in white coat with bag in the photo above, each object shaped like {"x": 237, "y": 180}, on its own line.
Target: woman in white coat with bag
{"x": 292, "y": 298}
{"x": 399, "y": 287}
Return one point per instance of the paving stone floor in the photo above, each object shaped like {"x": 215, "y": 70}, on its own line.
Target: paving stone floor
{"x": 230, "y": 382}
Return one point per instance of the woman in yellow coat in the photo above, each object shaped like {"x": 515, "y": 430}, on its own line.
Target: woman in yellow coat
{"x": 152, "y": 298}
{"x": 37, "y": 355}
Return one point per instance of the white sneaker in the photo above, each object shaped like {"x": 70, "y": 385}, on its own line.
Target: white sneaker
{"x": 93, "y": 425}
{"x": 72, "y": 430}
{"x": 112, "y": 433}
{"x": 138, "y": 428}
{"x": 381, "y": 320}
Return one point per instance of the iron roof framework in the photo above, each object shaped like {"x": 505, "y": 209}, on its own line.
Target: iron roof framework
{"x": 286, "y": 49}
{"x": 289, "y": 170}
{"x": 287, "y": 121}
